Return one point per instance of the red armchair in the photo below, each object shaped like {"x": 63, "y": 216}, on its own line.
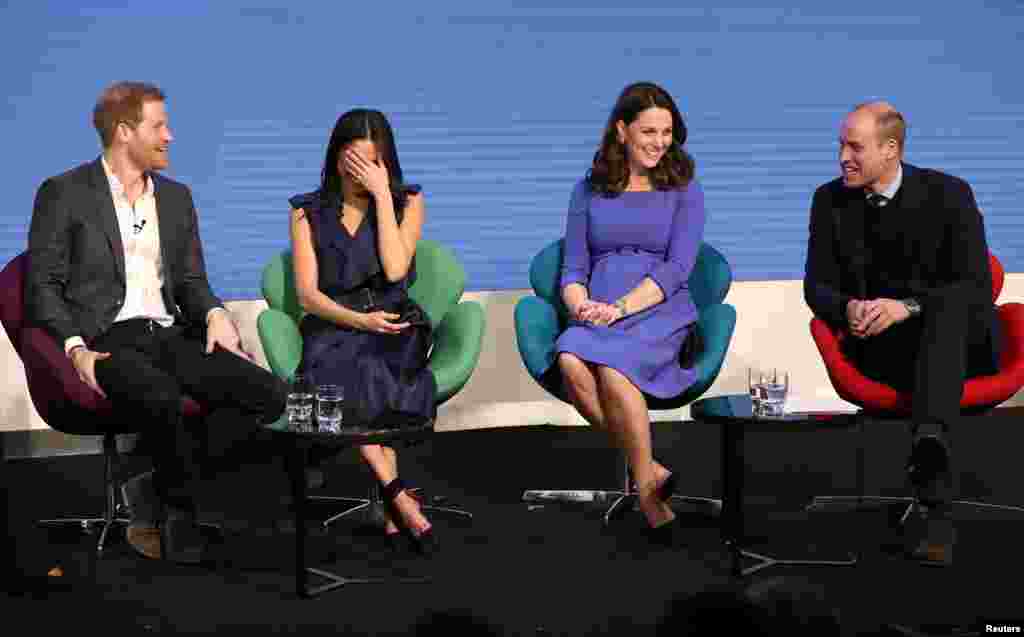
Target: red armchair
{"x": 63, "y": 401}
{"x": 981, "y": 393}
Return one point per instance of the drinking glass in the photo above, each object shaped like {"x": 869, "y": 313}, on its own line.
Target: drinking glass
{"x": 329, "y": 401}
{"x": 299, "y": 404}
{"x": 768, "y": 392}
{"x": 754, "y": 377}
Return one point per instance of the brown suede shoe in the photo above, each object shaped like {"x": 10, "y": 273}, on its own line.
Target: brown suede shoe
{"x": 931, "y": 554}
{"x": 932, "y": 542}
{"x": 145, "y": 539}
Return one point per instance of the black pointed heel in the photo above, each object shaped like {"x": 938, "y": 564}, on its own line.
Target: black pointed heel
{"x": 394, "y": 541}
{"x": 426, "y": 542}
{"x": 668, "y": 534}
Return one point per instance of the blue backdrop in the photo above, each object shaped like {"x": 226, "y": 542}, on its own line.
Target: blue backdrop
{"x": 498, "y": 106}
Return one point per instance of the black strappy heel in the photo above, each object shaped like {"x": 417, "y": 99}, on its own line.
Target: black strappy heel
{"x": 426, "y": 542}
{"x": 668, "y": 487}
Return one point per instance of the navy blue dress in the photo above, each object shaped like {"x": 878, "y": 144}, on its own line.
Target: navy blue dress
{"x": 384, "y": 376}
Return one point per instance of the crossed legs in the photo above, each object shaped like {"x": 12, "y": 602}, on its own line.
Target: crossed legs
{"x": 610, "y": 402}
{"x": 383, "y": 461}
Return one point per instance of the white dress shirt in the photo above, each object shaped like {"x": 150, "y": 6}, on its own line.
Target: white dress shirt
{"x": 890, "y": 192}
{"x": 143, "y": 263}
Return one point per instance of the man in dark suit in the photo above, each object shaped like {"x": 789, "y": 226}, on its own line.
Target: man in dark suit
{"x": 116, "y": 275}
{"x": 897, "y": 257}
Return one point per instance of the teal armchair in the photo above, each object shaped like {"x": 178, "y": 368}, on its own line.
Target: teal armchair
{"x": 458, "y": 330}
{"x": 541, "y": 318}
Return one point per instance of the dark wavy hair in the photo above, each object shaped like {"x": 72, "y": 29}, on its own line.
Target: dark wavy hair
{"x": 609, "y": 175}
{"x": 354, "y": 125}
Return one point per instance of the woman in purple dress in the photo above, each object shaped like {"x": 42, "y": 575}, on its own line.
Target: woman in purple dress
{"x": 353, "y": 245}
{"x": 634, "y": 228}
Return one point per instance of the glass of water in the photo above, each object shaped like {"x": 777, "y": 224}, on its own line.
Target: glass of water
{"x": 768, "y": 392}
{"x": 329, "y": 401}
{"x": 299, "y": 405}
{"x": 754, "y": 378}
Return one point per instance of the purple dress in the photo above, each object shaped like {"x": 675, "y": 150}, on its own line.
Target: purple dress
{"x": 611, "y": 245}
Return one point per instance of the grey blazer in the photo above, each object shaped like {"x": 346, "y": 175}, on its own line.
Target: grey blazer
{"x": 75, "y": 283}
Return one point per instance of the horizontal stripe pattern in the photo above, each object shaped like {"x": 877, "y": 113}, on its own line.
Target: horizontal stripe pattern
{"x": 498, "y": 109}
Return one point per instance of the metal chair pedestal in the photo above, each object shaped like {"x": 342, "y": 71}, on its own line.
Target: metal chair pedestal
{"x": 374, "y": 501}
{"x": 114, "y": 515}
{"x": 622, "y": 501}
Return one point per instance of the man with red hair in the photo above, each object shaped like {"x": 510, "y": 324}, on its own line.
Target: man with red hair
{"x": 117, "y": 276}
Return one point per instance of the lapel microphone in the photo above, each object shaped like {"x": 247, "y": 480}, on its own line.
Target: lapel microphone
{"x": 138, "y": 226}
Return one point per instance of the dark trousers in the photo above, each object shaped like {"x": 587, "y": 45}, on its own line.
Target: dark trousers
{"x": 931, "y": 356}
{"x": 149, "y": 369}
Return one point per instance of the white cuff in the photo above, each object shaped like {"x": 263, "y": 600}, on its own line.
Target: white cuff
{"x": 71, "y": 343}
{"x": 212, "y": 310}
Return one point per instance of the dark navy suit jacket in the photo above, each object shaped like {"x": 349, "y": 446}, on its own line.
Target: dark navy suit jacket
{"x": 939, "y": 230}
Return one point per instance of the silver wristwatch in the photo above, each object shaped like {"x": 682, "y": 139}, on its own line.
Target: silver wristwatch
{"x": 912, "y": 306}
{"x": 621, "y": 305}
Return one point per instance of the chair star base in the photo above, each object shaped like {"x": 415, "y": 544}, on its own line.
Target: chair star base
{"x": 90, "y": 526}
{"x": 711, "y": 507}
{"x": 767, "y": 561}
{"x": 337, "y": 581}
{"x": 359, "y": 504}
{"x": 374, "y": 501}
{"x": 113, "y": 516}
{"x": 856, "y": 502}
{"x": 621, "y": 501}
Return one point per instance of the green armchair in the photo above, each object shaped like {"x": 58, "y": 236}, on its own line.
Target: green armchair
{"x": 458, "y": 329}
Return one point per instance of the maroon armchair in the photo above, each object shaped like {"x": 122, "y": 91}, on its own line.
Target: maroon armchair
{"x": 981, "y": 393}
{"x": 63, "y": 401}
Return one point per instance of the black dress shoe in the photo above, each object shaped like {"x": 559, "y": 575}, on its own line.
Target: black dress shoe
{"x": 928, "y": 471}
{"x": 930, "y": 537}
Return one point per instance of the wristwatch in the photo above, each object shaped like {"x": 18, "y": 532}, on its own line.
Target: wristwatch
{"x": 621, "y": 306}
{"x": 912, "y": 306}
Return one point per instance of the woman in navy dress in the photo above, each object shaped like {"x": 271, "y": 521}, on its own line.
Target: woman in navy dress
{"x": 354, "y": 243}
{"x": 634, "y": 228}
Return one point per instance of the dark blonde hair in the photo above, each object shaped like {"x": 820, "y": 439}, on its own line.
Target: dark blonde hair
{"x": 609, "y": 174}
{"x": 889, "y": 121}
{"x": 122, "y": 102}
{"x": 891, "y": 125}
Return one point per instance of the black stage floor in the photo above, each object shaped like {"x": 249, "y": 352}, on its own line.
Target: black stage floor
{"x": 552, "y": 570}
